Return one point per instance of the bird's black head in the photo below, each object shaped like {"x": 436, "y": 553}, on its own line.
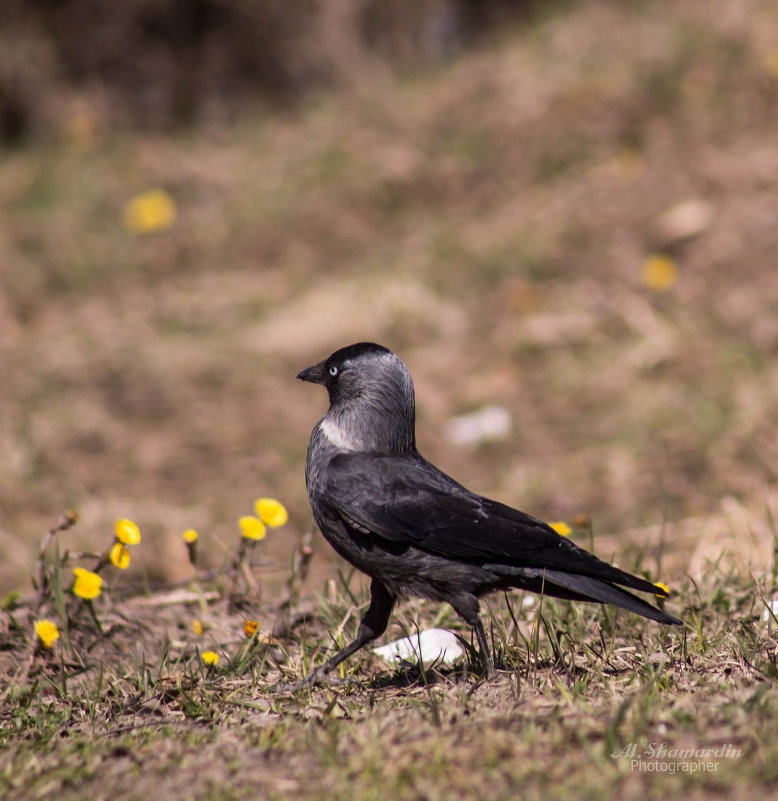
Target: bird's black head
{"x": 371, "y": 397}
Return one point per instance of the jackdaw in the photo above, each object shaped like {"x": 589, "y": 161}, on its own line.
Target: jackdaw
{"x": 416, "y": 531}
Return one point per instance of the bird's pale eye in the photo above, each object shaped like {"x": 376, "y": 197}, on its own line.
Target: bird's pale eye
{"x": 334, "y": 370}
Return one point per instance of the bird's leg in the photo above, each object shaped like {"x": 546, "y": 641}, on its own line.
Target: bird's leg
{"x": 372, "y": 625}
{"x": 466, "y": 606}
{"x": 483, "y": 647}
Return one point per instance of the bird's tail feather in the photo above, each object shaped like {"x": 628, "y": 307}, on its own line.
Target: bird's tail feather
{"x": 593, "y": 589}
{"x": 576, "y": 587}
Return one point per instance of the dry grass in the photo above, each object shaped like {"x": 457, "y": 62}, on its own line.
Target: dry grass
{"x": 490, "y": 223}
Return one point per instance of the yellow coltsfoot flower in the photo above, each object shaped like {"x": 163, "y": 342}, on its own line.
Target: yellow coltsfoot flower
{"x": 190, "y": 536}
{"x": 659, "y": 273}
{"x": 561, "y": 528}
{"x": 47, "y": 632}
{"x": 190, "y": 540}
{"x": 150, "y": 212}
{"x": 249, "y": 627}
{"x": 210, "y": 658}
{"x": 127, "y": 532}
{"x": 87, "y": 585}
{"x": 252, "y": 528}
{"x": 120, "y": 556}
{"x": 271, "y": 512}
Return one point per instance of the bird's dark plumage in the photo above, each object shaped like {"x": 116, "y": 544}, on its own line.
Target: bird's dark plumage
{"x": 415, "y": 530}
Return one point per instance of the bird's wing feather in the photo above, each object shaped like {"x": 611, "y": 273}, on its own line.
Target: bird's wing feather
{"x": 406, "y": 499}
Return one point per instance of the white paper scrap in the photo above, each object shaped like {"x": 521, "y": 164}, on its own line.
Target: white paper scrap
{"x": 487, "y": 424}
{"x": 433, "y": 645}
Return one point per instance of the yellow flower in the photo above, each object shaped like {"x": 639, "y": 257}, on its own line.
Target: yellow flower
{"x": 149, "y": 212}
{"x": 190, "y": 539}
{"x": 210, "y": 657}
{"x": 120, "y": 556}
{"x": 659, "y": 273}
{"x": 127, "y": 532}
{"x": 87, "y": 584}
{"x": 47, "y": 632}
{"x": 664, "y": 590}
{"x": 197, "y": 627}
{"x": 249, "y": 627}
{"x": 252, "y": 528}
{"x": 271, "y": 512}
{"x": 561, "y": 528}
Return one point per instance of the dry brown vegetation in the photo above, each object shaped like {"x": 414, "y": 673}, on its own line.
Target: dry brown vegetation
{"x": 490, "y": 222}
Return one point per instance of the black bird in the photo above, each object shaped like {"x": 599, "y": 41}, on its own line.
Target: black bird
{"x": 416, "y": 531}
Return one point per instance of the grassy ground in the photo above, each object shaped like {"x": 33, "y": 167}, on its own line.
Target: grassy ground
{"x": 588, "y": 703}
{"x": 492, "y": 223}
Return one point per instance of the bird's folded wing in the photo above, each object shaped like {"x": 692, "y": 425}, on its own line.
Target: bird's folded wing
{"x": 407, "y": 499}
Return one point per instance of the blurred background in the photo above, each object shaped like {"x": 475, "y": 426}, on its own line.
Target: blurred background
{"x": 563, "y": 216}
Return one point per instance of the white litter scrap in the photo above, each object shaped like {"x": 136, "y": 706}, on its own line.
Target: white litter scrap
{"x": 685, "y": 220}
{"x": 487, "y": 424}
{"x": 431, "y": 645}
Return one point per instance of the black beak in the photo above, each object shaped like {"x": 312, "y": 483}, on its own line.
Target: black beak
{"x": 313, "y": 374}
